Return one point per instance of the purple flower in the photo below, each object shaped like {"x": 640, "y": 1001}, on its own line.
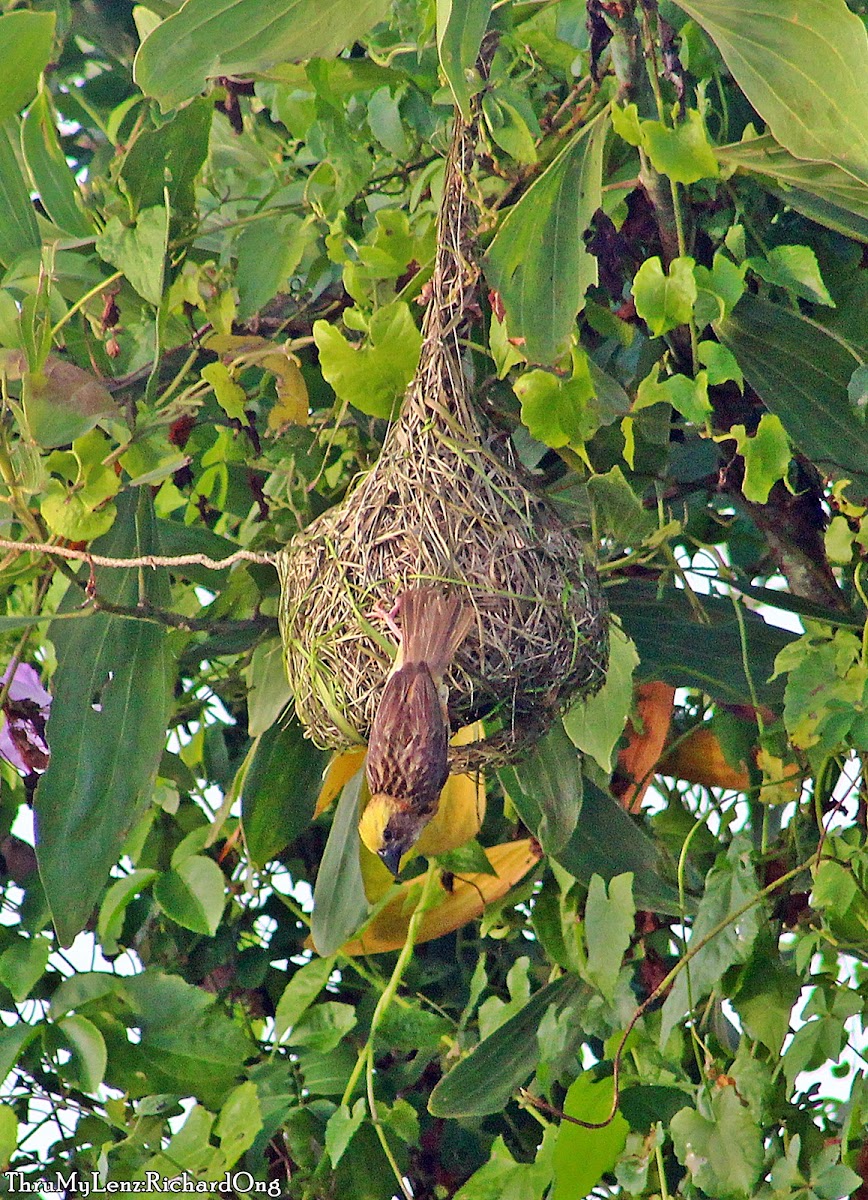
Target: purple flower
{"x": 26, "y": 709}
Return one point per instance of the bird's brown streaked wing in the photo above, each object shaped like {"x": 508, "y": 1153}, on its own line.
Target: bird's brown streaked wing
{"x": 408, "y": 748}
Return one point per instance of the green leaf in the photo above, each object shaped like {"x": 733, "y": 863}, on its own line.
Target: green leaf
{"x": 188, "y": 1046}
{"x": 729, "y": 884}
{"x": 301, "y": 991}
{"x": 804, "y": 383}
{"x": 618, "y": 509}
{"x": 687, "y": 396}
{"x": 374, "y": 375}
{"x": 723, "y": 1153}
{"x": 468, "y": 859}
{"x": 484, "y": 1081}
{"x": 799, "y": 65}
{"x": 13, "y": 1040}
{"x": 193, "y": 895}
{"x": 279, "y": 789}
{"x": 766, "y": 456}
{"x": 683, "y": 153}
{"x": 766, "y": 993}
{"x": 76, "y": 991}
{"x": 167, "y": 160}
{"x": 8, "y": 1134}
{"x": 321, "y": 1028}
{"x": 546, "y": 789}
{"x": 721, "y": 363}
{"x": 268, "y": 690}
{"x": 502, "y": 1178}
{"x": 682, "y": 650}
{"x": 537, "y": 261}
{"x": 239, "y": 1122}
{"x": 339, "y": 905}
{"x": 107, "y": 725}
{"x": 23, "y": 964}
{"x": 18, "y": 229}
{"x": 584, "y": 1156}
{"x": 796, "y": 269}
{"x": 114, "y": 906}
{"x": 595, "y": 724}
{"x": 268, "y": 253}
{"x": 608, "y": 842}
{"x": 209, "y": 38}
{"x": 559, "y": 411}
{"x": 87, "y": 1066}
{"x": 26, "y": 42}
{"x": 822, "y": 191}
{"x": 664, "y": 300}
{"x": 460, "y": 26}
{"x": 139, "y": 250}
{"x": 608, "y": 928}
{"x": 342, "y": 1124}
{"x": 52, "y": 178}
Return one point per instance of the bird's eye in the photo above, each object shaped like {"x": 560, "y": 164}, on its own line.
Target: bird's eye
{"x": 388, "y": 836}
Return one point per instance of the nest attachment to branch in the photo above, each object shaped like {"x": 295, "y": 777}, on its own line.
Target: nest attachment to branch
{"x": 445, "y": 503}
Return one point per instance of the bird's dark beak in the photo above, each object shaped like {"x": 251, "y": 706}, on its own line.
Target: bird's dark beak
{"x": 391, "y": 856}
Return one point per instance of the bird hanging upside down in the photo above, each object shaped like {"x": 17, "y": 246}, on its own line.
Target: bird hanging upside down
{"x": 407, "y": 763}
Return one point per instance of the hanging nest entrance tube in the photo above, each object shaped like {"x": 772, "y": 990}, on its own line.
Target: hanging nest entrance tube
{"x": 446, "y": 503}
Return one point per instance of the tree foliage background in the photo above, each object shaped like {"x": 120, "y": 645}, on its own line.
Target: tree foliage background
{"x": 217, "y": 223}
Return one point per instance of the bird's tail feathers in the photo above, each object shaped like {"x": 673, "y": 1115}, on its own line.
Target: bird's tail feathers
{"x": 433, "y": 626}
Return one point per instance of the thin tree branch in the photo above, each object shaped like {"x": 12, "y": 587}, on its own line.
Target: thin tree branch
{"x": 146, "y": 560}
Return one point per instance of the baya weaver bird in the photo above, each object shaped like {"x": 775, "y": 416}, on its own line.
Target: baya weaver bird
{"x": 407, "y": 762}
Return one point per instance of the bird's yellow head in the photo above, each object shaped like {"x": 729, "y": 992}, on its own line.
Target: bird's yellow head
{"x": 389, "y": 828}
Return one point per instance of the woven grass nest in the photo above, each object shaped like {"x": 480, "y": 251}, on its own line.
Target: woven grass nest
{"x": 447, "y": 503}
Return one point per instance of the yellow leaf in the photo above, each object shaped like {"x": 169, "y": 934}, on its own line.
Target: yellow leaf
{"x": 339, "y": 772}
{"x": 781, "y": 780}
{"x": 462, "y": 899}
{"x": 292, "y": 398}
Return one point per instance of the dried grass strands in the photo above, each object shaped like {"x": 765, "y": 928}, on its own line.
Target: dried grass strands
{"x": 446, "y": 502}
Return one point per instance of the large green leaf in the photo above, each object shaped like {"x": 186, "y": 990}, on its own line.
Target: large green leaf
{"x": 460, "y": 26}
{"x": 26, "y": 39}
{"x": 188, "y": 1045}
{"x": 209, "y": 38}
{"x": 584, "y": 1156}
{"x": 538, "y": 261}
{"x": 546, "y": 789}
{"x": 107, "y": 725}
{"x": 18, "y": 229}
{"x": 483, "y": 1082}
{"x": 804, "y": 382}
{"x": 675, "y": 645}
{"x": 178, "y": 149}
{"x": 609, "y": 842}
{"x": 279, "y": 790}
{"x": 822, "y": 191}
{"x": 339, "y": 905}
{"x": 802, "y": 65}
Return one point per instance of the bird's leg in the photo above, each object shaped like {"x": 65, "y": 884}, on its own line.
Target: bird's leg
{"x": 388, "y": 618}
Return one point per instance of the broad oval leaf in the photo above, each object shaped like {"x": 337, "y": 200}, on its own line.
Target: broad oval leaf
{"x": 193, "y": 894}
{"x": 800, "y": 63}
{"x": 208, "y": 38}
{"x": 89, "y": 1055}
